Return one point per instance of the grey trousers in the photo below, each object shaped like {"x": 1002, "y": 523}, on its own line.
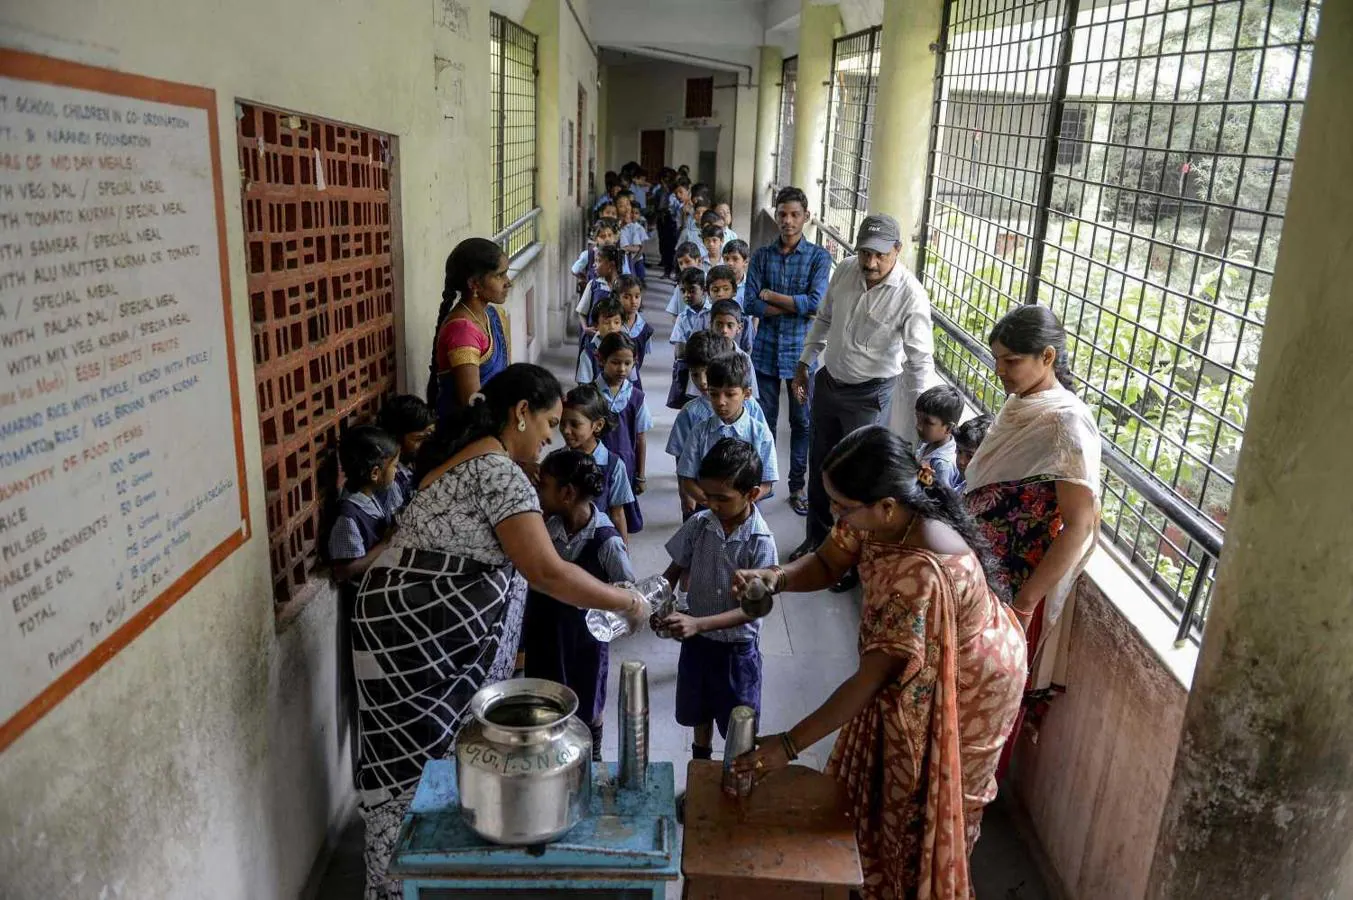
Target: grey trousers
{"x": 838, "y": 409}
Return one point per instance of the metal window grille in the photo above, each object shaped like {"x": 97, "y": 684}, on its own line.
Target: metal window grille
{"x": 316, "y": 203}
{"x": 512, "y": 72}
{"x": 784, "y": 139}
{"x": 1126, "y": 164}
{"x": 850, "y": 130}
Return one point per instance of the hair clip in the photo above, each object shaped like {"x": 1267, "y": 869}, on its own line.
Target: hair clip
{"x": 925, "y": 475}
{"x": 476, "y": 398}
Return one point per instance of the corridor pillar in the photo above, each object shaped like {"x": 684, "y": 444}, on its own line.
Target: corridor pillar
{"x": 1261, "y": 803}
{"x": 902, "y": 121}
{"x": 818, "y": 27}
{"x": 767, "y": 126}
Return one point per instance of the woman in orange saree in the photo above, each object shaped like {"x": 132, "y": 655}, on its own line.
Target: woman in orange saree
{"x": 942, "y": 666}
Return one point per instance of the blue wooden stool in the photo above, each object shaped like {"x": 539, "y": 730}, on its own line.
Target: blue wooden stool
{"x": 626, "y": 848}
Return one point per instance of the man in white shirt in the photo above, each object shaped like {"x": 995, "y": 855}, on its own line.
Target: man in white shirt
{"x": 872, "y": 326}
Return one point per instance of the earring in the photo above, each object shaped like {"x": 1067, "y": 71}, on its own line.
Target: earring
{"x": 521, "y": 424}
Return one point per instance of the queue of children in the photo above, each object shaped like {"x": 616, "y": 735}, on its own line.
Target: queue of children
{"x": 590, "y": 491}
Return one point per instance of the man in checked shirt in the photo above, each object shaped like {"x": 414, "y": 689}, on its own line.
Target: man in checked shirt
{"x": 785, "y": 283}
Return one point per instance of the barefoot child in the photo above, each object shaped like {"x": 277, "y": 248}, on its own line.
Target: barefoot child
{"x": 720, "y": 665}
{"x": 629, "y": 440}
{"x": 409, "y": 421}
{"x": 631, "y": 299}
{"x": 585, "y": 420}
{"x": 703, "y": 348}
{"x": 937, "y": 412}
{"x": 366, "y": 515}
{"x": 725, "y": 385}
{"x": 554, "y": 635}
{"x": 607, "y": 318}
{"x": 694, "y": 317}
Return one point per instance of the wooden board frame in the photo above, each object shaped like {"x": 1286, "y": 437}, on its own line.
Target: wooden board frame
{"x": 62, "y": 73}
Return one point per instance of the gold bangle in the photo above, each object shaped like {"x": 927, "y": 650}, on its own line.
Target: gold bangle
{"x": 779, "y": 585}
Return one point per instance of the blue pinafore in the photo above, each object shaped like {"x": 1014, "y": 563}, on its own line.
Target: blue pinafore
{"x": 558, "y": 645}
{"x": 621, "y": 441}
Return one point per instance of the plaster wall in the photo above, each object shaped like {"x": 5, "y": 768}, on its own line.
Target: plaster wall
{"x": 208, "y": 759}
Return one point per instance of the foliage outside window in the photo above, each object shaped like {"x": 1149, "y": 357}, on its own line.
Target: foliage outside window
{"x": 1150, "y": 227}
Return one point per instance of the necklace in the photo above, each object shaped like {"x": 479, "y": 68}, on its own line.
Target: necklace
{"x": 906, "y": 534}
{"x": 482, "y": 323}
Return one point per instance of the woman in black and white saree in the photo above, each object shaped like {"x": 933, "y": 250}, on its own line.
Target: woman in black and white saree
{"x": 439, "y": 614}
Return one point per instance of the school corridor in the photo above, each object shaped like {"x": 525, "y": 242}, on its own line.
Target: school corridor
{"x": 224, "y": 238}
{"x": 809, "y": 645}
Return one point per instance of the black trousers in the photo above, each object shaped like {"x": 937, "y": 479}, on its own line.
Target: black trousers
{"x": 838, "y": 409}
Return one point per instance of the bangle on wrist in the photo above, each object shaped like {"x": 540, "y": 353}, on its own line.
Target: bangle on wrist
{"x": 779, "y": 585}
{"x": 791, "y": 749}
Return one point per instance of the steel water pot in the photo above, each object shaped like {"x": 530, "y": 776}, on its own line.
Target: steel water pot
{"x": 524, "y": 762}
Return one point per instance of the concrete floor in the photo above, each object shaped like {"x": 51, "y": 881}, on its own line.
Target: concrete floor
{"x": 808, "y": 643}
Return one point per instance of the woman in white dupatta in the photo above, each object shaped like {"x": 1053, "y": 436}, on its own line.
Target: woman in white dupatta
{"x": 1033, "y": 487}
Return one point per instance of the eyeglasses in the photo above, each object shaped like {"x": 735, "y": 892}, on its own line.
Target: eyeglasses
{"x": 842, "y": 511}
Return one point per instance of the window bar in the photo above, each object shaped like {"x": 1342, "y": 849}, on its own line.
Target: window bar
{"x": 826, "y": 178}
{"x": 937, "y": 97}
{"x": 500, "y": 208}
{"x": 866, "y": 113}
{"x": 1052, "y": 135}
{"x": 784, "y": 137}
{"x": 1191, "y": 606}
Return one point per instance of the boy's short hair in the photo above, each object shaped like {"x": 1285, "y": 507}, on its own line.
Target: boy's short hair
{"x": 683, "y": 181}
{"x": 362, "y": 449}
{"x": 734, "y": 462}
{"x": 711, "y": 231}
{"x": 625, "y": 283}
{"x": 726, "y": 308}
{"x": 792, "y": 194}
{"x": 721, "y": 273}
{"x": 404, "y": 414}
{"x": 615, "y": 342}
{"x": 689, "y": 249}
{"x": 710, "y": 217}
{"x": 605, "y": 223}
{"x": 970, "y": 435}
{"x": 728, "y": 370}
{"x": 705, "y": 346}
{"x": 625, "y": 194}
{"x": 612, "y": 254}
{"x": 943, "y": 402}
{"x": 607, "y": 308}
{"x": 693, "y": 275}
{"x": 740, "y": 247}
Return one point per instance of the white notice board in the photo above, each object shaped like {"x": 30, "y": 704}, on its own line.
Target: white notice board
{"x": 121, "y": 458}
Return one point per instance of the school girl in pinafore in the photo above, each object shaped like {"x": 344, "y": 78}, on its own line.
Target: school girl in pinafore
{"x": 626, "y": 400}
{"x": 554, "y": 635}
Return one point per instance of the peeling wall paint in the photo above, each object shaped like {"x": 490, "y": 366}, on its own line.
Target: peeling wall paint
{"x": 1096, "y": 781}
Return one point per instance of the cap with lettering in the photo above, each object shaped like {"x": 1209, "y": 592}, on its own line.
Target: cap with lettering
{"x": 878, "y": 233}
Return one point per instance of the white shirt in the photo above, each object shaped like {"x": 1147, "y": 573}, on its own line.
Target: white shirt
{"x": 879, "y": 332}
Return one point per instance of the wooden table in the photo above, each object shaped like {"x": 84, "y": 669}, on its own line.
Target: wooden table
{"x": 790, "y": 840}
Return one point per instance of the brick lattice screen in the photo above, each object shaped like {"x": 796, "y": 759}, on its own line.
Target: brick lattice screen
{"x": 316, "y": 200}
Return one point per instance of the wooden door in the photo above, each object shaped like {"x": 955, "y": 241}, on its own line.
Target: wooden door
{"x": 652, "y": 145}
